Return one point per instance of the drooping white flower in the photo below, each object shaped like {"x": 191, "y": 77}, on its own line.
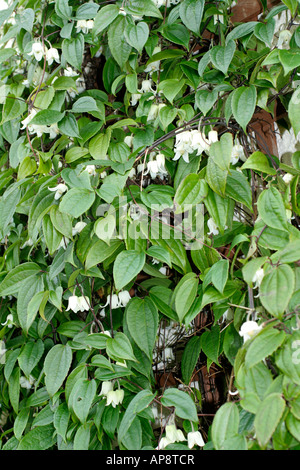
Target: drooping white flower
{"x": 69, "y": 72}
{"x": 78, "y": 228}
{"x": 237, "y": 154}
{"x": 154, "y": 66}
{"x": 287, "y": 178}
{"x": 52, "y": 55}
{"x": 146, "y": 87}
{"x": 284, "y": 39}
{"x": 129, "y": 140}
{"x": 183, "y": 146}
{"x": 91, "y": 170}
{"x": 84, "y": 25}
{"x": 27, "y": 383}
{"x": 9, "y": 321}
{"x": 27, "y": 120}
{"x": 115, "y": 397}
{"x": 135, "y": 98}
{"x": 249, "y": 329}
{"x": 38, "y": 50}
{"x": 213, "y": 228}
{"x": 77, "y": 304}
{"x": 106, "y": 388}
{"x": 195, "y": 438}
{"x": 28, "y": 242}
{"x": 60, "y": 189}
{"x": 258, "y": 277}
{"x": 169, "y": 354}
{"x": 154, "y": 111}
{"x": 173, "y": 434}
{"x": 112, "y": 300}
{"x": 124, "y": 298}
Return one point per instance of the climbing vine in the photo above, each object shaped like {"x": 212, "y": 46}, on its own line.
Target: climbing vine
{"x": 150, "y": 245}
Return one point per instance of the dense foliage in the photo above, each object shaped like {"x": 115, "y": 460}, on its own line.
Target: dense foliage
{"x": 147, "y": 231}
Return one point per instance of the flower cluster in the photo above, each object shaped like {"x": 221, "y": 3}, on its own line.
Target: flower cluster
{"x": 113, "y": 397}
{"x": 176, "y": 435}
{"x": 78, "y": 304}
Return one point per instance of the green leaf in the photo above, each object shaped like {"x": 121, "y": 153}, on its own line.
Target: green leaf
{"x": 142, "y": 7}
{"x": 105, "y": 16}
{"x": 30, "y": 355}
{"x": 81, "y": 398}
{"x": 263, "y": 345}
{"x": 46, "y": 117}
{"x": 99, "y": 144}
{"x": 127, "y": 266}
{"x": 259, "y": 162}
{"x": 13, "y": 108}
{"x": 276, "y": 289}
{"x": 73, "y": 50}
{"x": 14, "y": 389}
{"x": 210, "y": 343}
{"x": 190, "y": 358}
{"x": 119, "y": 347}
{"x": 215, "y": 177}
{"x": 160, "y": 254}
{"x": 15, "y": 279}
{"x": 62, "y": 222}
{"x": 238, "y": 188}
{"x": 137, "y": 34}
{"x": 177, "y": 33}
{"x": 61, "y": 419}
{"x": 293, "y": 425}
{"x": 242, "y": 30}
{"x": 63, "y": 10}
{"x": 225, "y": 424}
{"x": 85, "y": 104}
{"x": 267, "y": 417}
{"x": 205, "y": 100}
{"x": 39, "y": 438}
{"x": 139, "y": 403}
{"x": 56, "y": 367}
{"x": 171, "y": 87}
{"x": 167, "y": 114}
{"x": 221, "y": 151}
{"x": 44, "y": 98}
{"x": 100, "y": 251}
{"x": 271, "y": 209}
{"x": 243, "y": 105}
{"x": 294, "y": 111}
{"x": 77, "y": 201}
{"x": 142, "y": 321}
{"x": 219, "y": 274}
{"x": 27, "y": 313}
{"x": 265, "y": 31}
{"x": 185, "y": 293}
{"x": 290, "y": 59}
{"x": 118, "y": 45}
{"x": 287, "y": 359}
{"x": 191, "y": 12}
{"x": 185, "y": 407}
{"x": 221, "y": 56}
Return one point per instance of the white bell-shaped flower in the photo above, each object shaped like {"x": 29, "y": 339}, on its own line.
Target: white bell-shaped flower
{"x": 38, "y": 50}
{"x": 195, "y": 439}
{"x": 249, "y": 329}
{"x": 60, "y": 189}
{"x": 78, "y": 228}
{"x": 52, "y": 55}
{"x": 124, "y": 298}
{"x": 258, "y": 277}
{"x": 106, "y": 387}
{"x": 213, "y": 228}
{"x": 114, "y": 397}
